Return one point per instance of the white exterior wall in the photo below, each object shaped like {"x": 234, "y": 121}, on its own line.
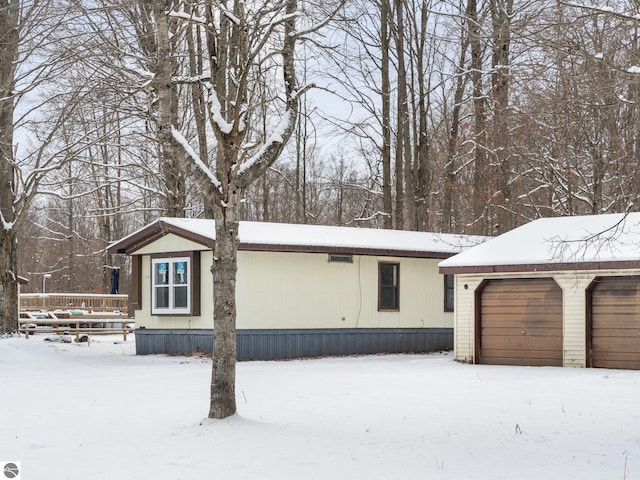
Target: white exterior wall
{"x": 574, "y": 285}
{"x": 304, "y": 290}
{"x": 204, "y": 320}
{"x": 171, "y": 243}
{"x": 464, "y": 316}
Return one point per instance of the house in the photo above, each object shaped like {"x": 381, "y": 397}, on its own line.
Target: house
{"x": 301, "y": 290}
{"x": 557, "y": 291}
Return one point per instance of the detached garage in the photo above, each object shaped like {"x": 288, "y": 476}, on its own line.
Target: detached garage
{"x": 556, "y": 292}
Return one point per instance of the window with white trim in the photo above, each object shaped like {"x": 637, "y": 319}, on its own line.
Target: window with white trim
{"x": 171, "y": 286}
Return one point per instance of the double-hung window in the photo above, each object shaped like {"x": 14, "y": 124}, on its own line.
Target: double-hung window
{"x": 389, "y": 286}
{"x": 171, "y": 286}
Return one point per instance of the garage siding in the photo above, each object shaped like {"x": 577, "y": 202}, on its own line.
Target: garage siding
{"x": 464, "y": 309}
{"x": 521, "y": 322}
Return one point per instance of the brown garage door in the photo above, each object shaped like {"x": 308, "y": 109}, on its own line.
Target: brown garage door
{"x": 615, "y": 323}
{"x": 521, "y": 322}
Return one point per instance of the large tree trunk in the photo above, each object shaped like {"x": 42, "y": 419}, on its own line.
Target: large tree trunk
{"x": 8, "y": 281}
{"x": 8, "y": 242}
{"x": 223, "y": 396}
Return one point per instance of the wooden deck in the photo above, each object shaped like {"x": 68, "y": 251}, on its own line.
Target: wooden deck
{"x": 74, "y": 313}
{"x": 74, "y": 301}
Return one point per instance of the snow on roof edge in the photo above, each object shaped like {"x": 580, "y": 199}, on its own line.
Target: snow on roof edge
{"x": 557, "y": 241}
{"x": 296, "y": 235}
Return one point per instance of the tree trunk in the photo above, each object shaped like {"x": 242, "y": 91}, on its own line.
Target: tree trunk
{"x": 422, "y": 142}
{"x": 480, "y": 180}
{"x": 387, "y": 207}
{"x": 8, "y": 281}
{"x": 223, "y": 396}
{"x": 230, "y": 61}
{"x": 501, "y": 13}
{"x": 8, "y": 227}
{"x": 448, "y": 207}
{"x": 404, "y": 192}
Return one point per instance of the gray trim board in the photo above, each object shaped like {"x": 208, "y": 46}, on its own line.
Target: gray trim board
{"x": 278, "y": 344}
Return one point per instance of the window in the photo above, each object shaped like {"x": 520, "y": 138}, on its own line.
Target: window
{"x": 388, "y": 286}
{"x": 171, "y": 286}
{"x": 448, "y": 292}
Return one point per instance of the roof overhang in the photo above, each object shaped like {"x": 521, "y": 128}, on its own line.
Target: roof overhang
{"x": 151, "y": 233}
{"x": 383, "y": 252}
{"x": 542, "y": 267}
{"x": 155, "y": 230}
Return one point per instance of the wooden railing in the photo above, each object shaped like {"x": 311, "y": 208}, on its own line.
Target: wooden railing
{"x": 74, "y": 301}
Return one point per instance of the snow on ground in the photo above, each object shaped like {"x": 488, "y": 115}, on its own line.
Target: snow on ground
{"x": 96, "y": 411}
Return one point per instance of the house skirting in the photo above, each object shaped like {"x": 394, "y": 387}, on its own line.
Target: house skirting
{"x": 279, "y": 344}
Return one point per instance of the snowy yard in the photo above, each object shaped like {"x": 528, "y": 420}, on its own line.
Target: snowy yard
{"x": 97, "y": 412}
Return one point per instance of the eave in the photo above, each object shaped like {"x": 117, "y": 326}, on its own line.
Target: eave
{"x": 542, "y": 267}
{"x": 151, "y": 233}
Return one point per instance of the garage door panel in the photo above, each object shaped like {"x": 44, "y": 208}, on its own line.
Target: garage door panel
{"x": 617, "y": 309}
{"x": 615, "y": 344}
{"x": 525, "y": 359}
{"x": 525, "y": 345}
{"x": 507, "y": 311}
{"x": 617, "y": 360}
{"x": 508, "y": 321}
{"x": 511, "y": 298}
{"x": 615, "y": 323}
{"x": 534, "y": 345}
{"x": 521, "y": 322}
{"x": 627, "y": 323}
{"x": 530, "y": 332}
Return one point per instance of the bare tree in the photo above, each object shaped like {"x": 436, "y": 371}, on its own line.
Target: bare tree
{"x": 30, "y": 58}
{"x": 246, "y": 45}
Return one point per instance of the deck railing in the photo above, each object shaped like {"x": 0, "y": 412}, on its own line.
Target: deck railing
{"x": 74, "y": 301}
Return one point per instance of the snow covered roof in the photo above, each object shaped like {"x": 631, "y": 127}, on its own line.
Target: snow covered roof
{"x": 560, "y": 243}
{"x": 305, "y": 238}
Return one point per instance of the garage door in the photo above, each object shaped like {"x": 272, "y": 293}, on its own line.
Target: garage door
{"x": 521, "y": 322}
{"x": 615, "y": 323}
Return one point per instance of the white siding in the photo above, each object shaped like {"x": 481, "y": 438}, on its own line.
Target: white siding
{"x": 205, "y": 320}
{"x": 574, "y": 285}
{"x": 305, "y": 290}
{"x": 170, "y": 243}
{"x": 574, "y": 308}
{"x": 464, "y": 313}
